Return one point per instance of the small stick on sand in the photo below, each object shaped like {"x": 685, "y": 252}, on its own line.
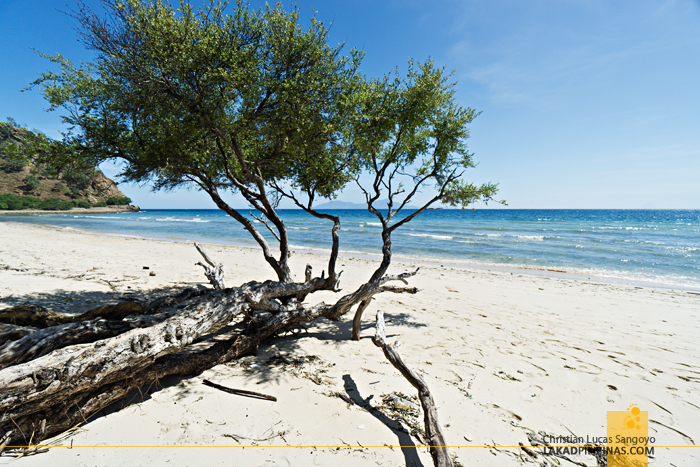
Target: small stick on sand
{"x": 239, "y": 392}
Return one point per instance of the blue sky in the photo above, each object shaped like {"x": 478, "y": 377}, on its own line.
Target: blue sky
{"x": 585, "y": 104}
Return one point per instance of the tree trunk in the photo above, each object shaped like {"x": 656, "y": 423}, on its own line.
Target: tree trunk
{"x": 32, "y": 315}
{"x": 47, "y": 340}
{"x": 31, "y": 407}
{"x": 57, "y": 377}
{"x": 11, "y": 332}
{"x": 40, "y": 317}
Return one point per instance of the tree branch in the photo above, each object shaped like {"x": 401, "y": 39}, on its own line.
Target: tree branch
{"x": 335, "y": 231}
{"x": 436, "y": 440}
{"x": 213, "y": 271}
{"x": 264, "y": 222}
{"x": 401, "y": 277}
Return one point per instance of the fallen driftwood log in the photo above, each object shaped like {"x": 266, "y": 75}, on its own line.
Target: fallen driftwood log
{"x": 66, "y": 372}
{"x": 56, "y": 392}
{"x": 47, "y": 340}
{"x": 433, "y": 432}
{"x": 172, "y": 300}
{"x": 19, "y": 345}
{"x": 240, "y": 392}
{"x": 11, "y": 332}
{"x": 48, "y": 414}
{"x": 32, "y": 315}
{"x": 40, "y": 317}
{"x": 115, "y": 312}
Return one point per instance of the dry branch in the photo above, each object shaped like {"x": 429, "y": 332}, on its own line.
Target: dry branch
{"x": 308, "y": 272}
{"x": 5, "y": 440}
{"x": 357, "y": 320}
{"x": 400, "y": 277}
{"x": 213, "y": 271}
{"x": 239, "y": 392}
{"x": 436, "y": 440}
{"x": 113, "y": 312}
{"x": 172, "y": 300}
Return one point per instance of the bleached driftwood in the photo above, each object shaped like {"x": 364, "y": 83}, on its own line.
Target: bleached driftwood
{"x": 55, "y": 392}
{"x": 168, "y": 301}
{"x": 213, "y": 271}
{"x": 308, "y": 271}
{"x": 22, "y": 344}
{"x": 65, "y": 372}
{"x": 433, "y": 433}
{"x": 47, "y": 340}
{"x": 59, "y": 331}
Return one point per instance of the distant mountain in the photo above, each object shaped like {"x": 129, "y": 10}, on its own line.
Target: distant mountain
{"x": 381, "y": 204}
{"x": 26, "y": 185}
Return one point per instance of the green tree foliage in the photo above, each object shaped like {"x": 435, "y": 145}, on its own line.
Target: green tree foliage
{"x": 254, "y": 103}
{"x": 5, "y": 132}
{"x": 116, "y": 201}
{"x": 31, "y": 183}
{"x": 20, "y": 147}
{"x": 16, "y": 203}
{"x": 13, "y": 156}
{"x": 13, "y": 122}
{"x": 14, "y": 165}
{"x": 61, "y": 188}
{"x": 80, "y": 179}
{"x": 55, "y": 204}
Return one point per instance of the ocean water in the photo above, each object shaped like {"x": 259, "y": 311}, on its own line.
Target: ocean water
{"x": 658, "y": 246}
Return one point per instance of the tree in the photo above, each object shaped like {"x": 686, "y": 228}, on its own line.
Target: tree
{"x": 31, "y": 183}
{"x": 253, "y": 103}
{"x": 223, "y": 102}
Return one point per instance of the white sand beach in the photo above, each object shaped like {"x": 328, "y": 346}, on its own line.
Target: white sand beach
{"x": 502, "y": 352}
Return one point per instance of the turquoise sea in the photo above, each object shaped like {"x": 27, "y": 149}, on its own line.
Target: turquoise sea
{"x": 656, "y": 246}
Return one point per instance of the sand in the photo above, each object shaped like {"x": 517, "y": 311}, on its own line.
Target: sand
{"x": 502, "y": 352}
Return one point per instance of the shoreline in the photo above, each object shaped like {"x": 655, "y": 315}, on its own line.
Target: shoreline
{"x": 128, "y": 208}
{"x": 501, "y": 353}
{"x": 550, "y": 272}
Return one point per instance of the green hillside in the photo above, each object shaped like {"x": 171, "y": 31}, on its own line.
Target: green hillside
{"x": 25, "y": 184}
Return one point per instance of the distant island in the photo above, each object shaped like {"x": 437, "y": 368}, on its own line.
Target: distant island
{"x": 381, "y": 204}
{"x": 26, "y": 185}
